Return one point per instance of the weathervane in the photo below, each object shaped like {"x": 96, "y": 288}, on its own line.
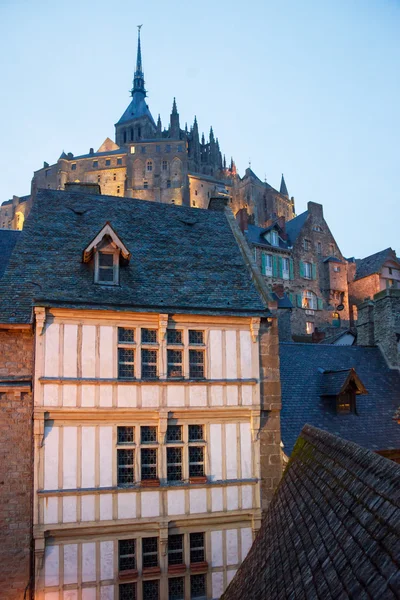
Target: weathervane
{"x": 139, "y": 27}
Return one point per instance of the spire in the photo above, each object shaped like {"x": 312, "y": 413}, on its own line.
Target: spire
{"x": 174, "y": 109}
{"x": 138, "y": 80}
{"x": 283, "y": 189}
{"x": 175, "y": 130}
{"x": 159, "y": 126}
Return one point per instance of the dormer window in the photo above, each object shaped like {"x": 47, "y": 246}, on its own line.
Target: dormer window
{"x": 107, "y": 268}
{"x": 274, "y": 238}
{"x": 108, "y": 253}
{"x": 342, "y": 386}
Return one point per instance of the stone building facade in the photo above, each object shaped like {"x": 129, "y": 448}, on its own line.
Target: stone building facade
{"x": 301, "y": 262}
{"x": 156, "y": 406}
{"x": 163, "y": 164}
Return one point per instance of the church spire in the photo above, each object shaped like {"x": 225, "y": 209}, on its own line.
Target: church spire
{"x": 138, "y": 80}
{"x": 283, "y": 189}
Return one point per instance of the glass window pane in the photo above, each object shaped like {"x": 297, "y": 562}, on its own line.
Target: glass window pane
{"x": 176, "y": 588}
{"x": 197, "y": 547}
{"x": 105, "y": 259}
{"x": 174, "y": 360}
{"x": 174, "y": 433}
{"x": 151, "y": 590}
{"x": 196, "y": 337}
{"x": 149, "y": 364}
{"x": 125, "y": 435}
{"x": 126, "y": 363}
{"x": 174, "y": 336}
{"x": 126, "y": 335}
{"x": 196, "y": 433}
{"x": 196, "y": 461}
{"x": 150, "y": 552}
{"x": 175, "y": 549}
{"x": 127, "y": 591}
{"x": 149, "y": 463}
{"x": 149, "y": 336}
{"x": 125, "y": 472}
{"x": 148, "y": 434}
{"x": 126, "y": 555}
{"x": 174, "y": 464}
{"x": 198, "y": 586}
{"x": 196, "y": 364}
{"x": 106, "y": 274}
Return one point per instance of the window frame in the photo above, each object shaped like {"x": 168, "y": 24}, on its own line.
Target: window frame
{"x": 311, "y": 298}
{"x": 123, "y": 447}
{"x": 285, "y": 272}
{"x": 115, "y": 267}
{"x": 267, "y": 259}
{"x": 307, "y": 266}
{"x": 196, "y": 347}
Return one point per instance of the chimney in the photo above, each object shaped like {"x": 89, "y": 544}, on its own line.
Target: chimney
{"x": 365, "y": 323}
{"x": 242, "y": 218}
{"x": 83, "y": 188}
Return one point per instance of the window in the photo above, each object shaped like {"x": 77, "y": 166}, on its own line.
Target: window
{"x": 319, "y": 248}
{"x": 198, "y": 586}
{"x": 309, "y": 327}
{"x": 318, "y": 228}
{"x": 180, "y": 148}
{"x": 148, "y": 434}
{"x": 307, "y": 270}
{"x": 167, "y": 148}
{"x": 149, "y": 165}
{"x": 106, "y": 268}
{"x": 306, "y": 244}
{"x": 125, "y": 138}
{"x": 335, "y": 319}
{"x": 119, "y": 161}
{"x": 127, "y": 591}
{"x": 114, "y": 177}
{"x": 158, "y": 148}
{"x": 174, "y": 454}
{"x": 164, "y": 165}
{"x": 309, "y": 300}
{"x": 148, "y": 456}
{"x": 390, "y": 268}
{"x": 126, "y": 353}
{"x": 149, "y": 355}
{"x": 197, "y": 548}
{"x": 150, "y": 552}
{"x": 175, "y": 550}
{"x": 168, "y": 183}
{"x": 346, "y": 403}
{"x": 151, "y": 590}
{"x": 133, "y": 149}
{"x": 125, "y": 457}
{"x": 174, "y": 355}
{"x": 285, "y": 268}
{"x": 118, "y": 189}
{"x": 196, "y": 357}
{"x": 98, "y": 178}
{"x": 176, "y": 588}
{"x": 73, "y": 167}
{"x": 95, "y": 164}
{"x": 108, "y": 162}
{"x": 196, "y": 451}
{"x": 267, "y": 264}
{"x": 127, "y": 555}
{"x": 274, "y": 238}
{"x": 143, "y": 149}
{"x": 332, "y": 249}
{"x": 145, "y": 185}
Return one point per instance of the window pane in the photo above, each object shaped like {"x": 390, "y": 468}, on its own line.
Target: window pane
{"x": 196, "y": 433}
{"x": 174, "y": 336}
{"x": 196, "y": 364}
{"x": 175, "y": 549}
{"x": 125, "y": 463}
{"x": 149, "y": 336}
{"x": 126, "y": 555}
{"x": 150, "y": 590}
{"x": 174, "y": 433}
{"x": 148, "y": 434}
{"x": 125, "y": 335}
{"x": 126, "y": 363}
{"x": 198, "y": 586}
{"x": 196, "y": 337}
{"x": 196, "y": 461}
{"x": 197, "y": 547}
{"x": 174, "y": 464}
{"x": 176, "y": 588}
{"x": 125, "y": 435}
{"x": 105, "y": 259}
{"x": 149, "y": 463}
{"x": 174, "y": 360}
{"x": 106, "y": 274}
{"x": 149, "y": 364}
{"x": 127, "y": 591}
{"x": 150, "y": 552}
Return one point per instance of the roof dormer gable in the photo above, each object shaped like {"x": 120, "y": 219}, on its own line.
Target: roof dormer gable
{"x": 108, "y": 252}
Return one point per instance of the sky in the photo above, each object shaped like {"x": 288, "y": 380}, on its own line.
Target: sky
{"x": 307, "y": 88}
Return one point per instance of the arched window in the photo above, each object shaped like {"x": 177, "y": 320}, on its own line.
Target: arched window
{"x": 309, "y": 300}
{"x": 149, "y": 165}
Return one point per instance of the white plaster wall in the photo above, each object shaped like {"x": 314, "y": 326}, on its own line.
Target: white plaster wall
{"x": 107, "y": 592}
{"x": 232, "y": 498}
{"x": 89, "y": 593}
{"x": 69, "y": 395}
{"x": 52, "y": 350}
{"x": 217, "y": 580}
{"x": 230, "y": 574}
{"x": 150, "y": 504}
{"x": 215, "y": 452}
{"x": 215, "y": 349}
{"x": 87, "y": 508}
{"x": 232, "y": 395}
{"x": 198, "y": 395}
{"x": 106, "y": 456}
{"x": 70, "y": 595}
{"x": 69, "y": 509}
{"x": 126, "y": 505}
{"x": 106, "y": 398}
{"x": 88, "y": 351}
{"x": 245, "y": 450}
{"x": 106, "y": 352}
{"x": 70, "y": 563}
{"x": 247, "y": 395}
{"x": 50, "y": 510}
{"x": 232, "y": 557}
{"x": 106, "y": 560}
{"x": 217, "y": 503}
{"x": 51, "y": 596}
{"x": 230, "y": 353}
{"x": 105, "y": 507}
{"x": 217, "y": 395}
{"x": 175, "y": 395}
{"x": 88, "y": 457}
{"x": 246, "y": 363}
{"x": 176, "y": 502}
{"x": 51, "y": 440}
{"x": 69, "y": 457}
{"x": 198, "y": 501}
{"x": 247, "y": 496}
{"x": 50, "y": 395}
{"x": 247, "y": 540}
{"x": 127, "y": 396}
{"x": 88, "y": 562}
{"x": 88, "y": 395}
{"x": 70, "y": 350}
{"x": 150, "y": 396}
{"x": 51, "y": 565}
{"x": 231, "y": 450}
{"x": 216, "y": 549}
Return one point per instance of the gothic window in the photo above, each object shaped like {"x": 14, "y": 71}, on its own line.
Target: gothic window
{"x": 149, "y": 165}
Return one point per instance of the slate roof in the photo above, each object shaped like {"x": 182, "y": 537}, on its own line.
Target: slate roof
{"x": 255, "y": 235}
{"x": 136, "y": 109}
{"x": 332, "y": 531}
{"x": 8, "y": 239}
{"x": 294, "y": 226}
{"x": 372, "y": 427}
{"x": 374, "y": 263}
{"x": 183, "y": 259}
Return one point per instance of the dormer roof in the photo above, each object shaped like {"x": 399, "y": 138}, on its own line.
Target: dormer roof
{"x": 106, "y": 231}
{"x": 337, "y": 382}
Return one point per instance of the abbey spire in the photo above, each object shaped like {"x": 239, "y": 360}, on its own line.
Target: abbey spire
{"x": 138, "y": 79}
{"x": 283, "y": 189}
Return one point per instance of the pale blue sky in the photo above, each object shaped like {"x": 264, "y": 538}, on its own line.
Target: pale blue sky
{"x": 309, "y": 88}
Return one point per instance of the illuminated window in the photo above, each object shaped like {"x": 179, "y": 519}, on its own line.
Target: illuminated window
{"x": 346, "y": 403}
{"x": 335, "y": 319}
{"x": 149, "y": 165}
{"x": 309, "y": 327}
{"x": 309, "y": 300}
{"x": 133, "y": 149}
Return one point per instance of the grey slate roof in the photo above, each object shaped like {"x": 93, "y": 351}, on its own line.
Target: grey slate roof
{"x": 136, "y": 109}
{"x": 374, "y": 263}
{"x": 372, "y": 427}
{"x": 294, "y": 226}
{"x": 255, "y": 235}
{"x": 183, "y": 259}
{"x": 8, "y": 239}
{"x": 332, "y": 531}
{"x": 332, "y": 382}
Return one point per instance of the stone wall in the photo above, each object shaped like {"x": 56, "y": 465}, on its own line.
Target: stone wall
{"x": 360, "y": 290}
{"x": 16, "y": 470}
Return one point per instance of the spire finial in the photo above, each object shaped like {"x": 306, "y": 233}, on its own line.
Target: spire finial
{"x": 174, "y": 109}
{"x": 283, "y": 189}
{"x": 138, "y": 80}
